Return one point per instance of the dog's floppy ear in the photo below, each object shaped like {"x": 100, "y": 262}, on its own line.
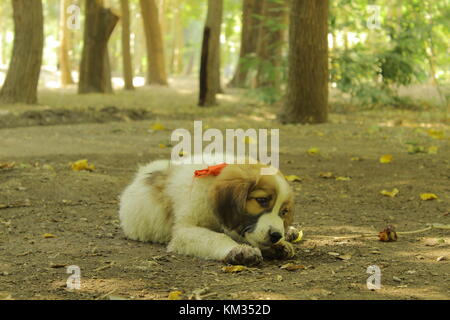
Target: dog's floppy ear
{"x": 229, "y": 198}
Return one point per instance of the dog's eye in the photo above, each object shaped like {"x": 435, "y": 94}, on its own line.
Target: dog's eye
{"x": 284, "y": 212}
{"x": 263, "y": 202}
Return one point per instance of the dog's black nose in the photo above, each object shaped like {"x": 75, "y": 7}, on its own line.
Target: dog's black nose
{"x": 275, "y": 237}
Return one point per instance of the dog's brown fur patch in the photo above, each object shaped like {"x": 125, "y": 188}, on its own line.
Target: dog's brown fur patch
{"x": 158, "y": 181}
{"x": 234, "y": 194}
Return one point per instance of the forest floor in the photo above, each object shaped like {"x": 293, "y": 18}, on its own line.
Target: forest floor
{"x": 77, "y": 210}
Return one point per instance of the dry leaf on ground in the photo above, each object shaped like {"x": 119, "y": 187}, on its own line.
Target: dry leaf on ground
{"x": 48, "y": 235}
{"x": 234, "y": 269}
{"x": 313, "y": 151}
{"x": 82, "y": 165}
{"x": 387, "y": 158}
{"x": 292, "y": 267}
{"x": 293, "y": 178}
{"x": 388, "y": 234}
{"x": 174, "y": 295}
{"x": 428, "y": 196}
{"x": 157, "y": 127}
{"x": 391, "y": 194}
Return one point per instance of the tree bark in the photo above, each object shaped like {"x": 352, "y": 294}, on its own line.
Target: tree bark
{"x": 23, "y": 73}
{"x": 176, "y": 61}
{"x": 307, "y": 89}
{"x": 64, "y": 60}
{"x": 210, "y": 56}
{"x": 126, "y": 50}
{"x": 251, "y": 10}
{"x": 156, "y": 66}
{"x": 95, "y": 74}
{"x": 270, "y": 42}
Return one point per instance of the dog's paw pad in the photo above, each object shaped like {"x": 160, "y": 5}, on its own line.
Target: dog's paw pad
{"x": 292, "y": 234}
{"x": 244, "y": 255}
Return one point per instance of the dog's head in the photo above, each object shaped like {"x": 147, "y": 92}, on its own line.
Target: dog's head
{"x": 256, "y": 208}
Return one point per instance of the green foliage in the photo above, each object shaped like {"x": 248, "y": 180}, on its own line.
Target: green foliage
{"x": 411, "y": 37}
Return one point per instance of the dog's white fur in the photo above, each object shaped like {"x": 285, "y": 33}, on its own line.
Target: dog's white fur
{"x": 182, "y": 215}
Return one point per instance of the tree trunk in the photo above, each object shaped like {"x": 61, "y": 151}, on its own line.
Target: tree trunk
{"x": 156, "y": 67}
{"x": 209, "y": 63}
{"x": 126, "y": 51}
{"x": 270, "y": 42}
{"x": 251, "y": 10}
{"x": 23, "y": 74}
{"x": 176, "y": 61}
{"x": 64, "y": 60}
{"x": 95, "y": 74}
{"x": 307, "y": 90}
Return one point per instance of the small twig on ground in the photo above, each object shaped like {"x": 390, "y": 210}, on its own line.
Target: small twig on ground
{"x": 369, "y": 235}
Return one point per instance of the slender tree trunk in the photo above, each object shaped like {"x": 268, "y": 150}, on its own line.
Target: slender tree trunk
{"x": 270, "y": 42}
{"x": 307, "y": 90}
{"x": 23, "y": 74}
{"x": 209, "y": 82}
{"x": 126, "y": 51}
{"x": 190, "y": 64}
{"x": 156, "y": 66}
{"x": 140, "y": 51}
{"x": 95, "y": 73}
{"x": 176, "y": 61}
{"x": 251, "y": 10}
{"x": 64, "y": 60}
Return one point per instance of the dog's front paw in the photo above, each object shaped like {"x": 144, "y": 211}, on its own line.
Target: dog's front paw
{"x": 292, "y": 234}
{"x": 244, "y": 255}
{"x": 280, "y": 250}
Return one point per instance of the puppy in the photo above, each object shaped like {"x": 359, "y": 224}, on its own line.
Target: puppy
{"x": 235, "y": 214}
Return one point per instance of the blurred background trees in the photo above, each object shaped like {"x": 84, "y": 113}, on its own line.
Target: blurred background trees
{"x": 23, "y": 74}
{"x": 376, "y": 49}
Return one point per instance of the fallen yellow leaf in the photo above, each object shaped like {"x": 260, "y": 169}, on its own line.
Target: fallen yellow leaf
{"x": 428, "y": 196}
{"x": 387, "y": 158}
{"x": 175, "y": 295}
{"x": 343, "y": 179}
{"x": 157, "y": 127}
{"x": 162, "y": 146}
{"x": 48, "y": 235}
{"x": 355, "y": 159}
{"x": 299, "y": 238}
{"x": 82, "y": 165}
{"x": 234, "y": 269}
{"x": 391, "y": 194}
{"x": 313, "y": 151}
{"x": 292, "y": 178}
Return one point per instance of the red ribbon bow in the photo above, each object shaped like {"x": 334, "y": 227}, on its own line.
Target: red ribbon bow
{"x": 210, "y": 171}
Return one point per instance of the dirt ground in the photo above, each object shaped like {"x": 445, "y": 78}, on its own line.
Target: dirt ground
{"x": 42, "y": 195}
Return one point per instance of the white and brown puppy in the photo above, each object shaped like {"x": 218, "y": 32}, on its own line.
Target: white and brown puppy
{"x": 237, "y": 217}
